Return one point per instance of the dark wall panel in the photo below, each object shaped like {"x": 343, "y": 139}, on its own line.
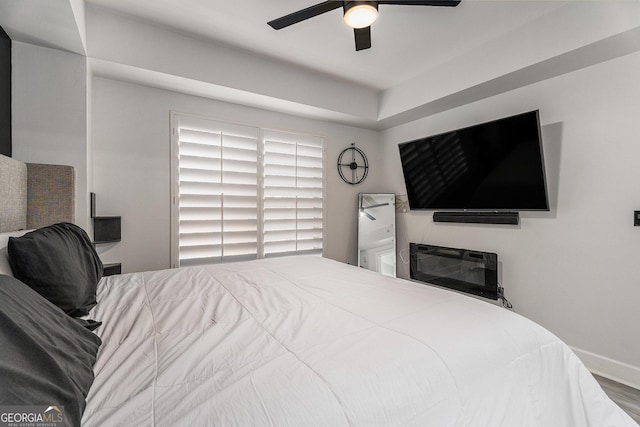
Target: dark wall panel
{"x": 5, "y": 93}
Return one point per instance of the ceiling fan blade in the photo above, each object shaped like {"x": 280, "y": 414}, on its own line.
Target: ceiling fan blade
{"x": 375, "y": 206}
{"x": 450, "y": 3}
{"x": 363, "y": 38}
{"x": 301, "y": 15}
{"x": 368, "y": 215}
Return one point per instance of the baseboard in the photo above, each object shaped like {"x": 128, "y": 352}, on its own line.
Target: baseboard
{"x": 609, "y": 368}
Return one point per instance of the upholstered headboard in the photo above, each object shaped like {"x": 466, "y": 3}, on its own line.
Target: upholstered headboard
{"x": 34, "y": 195}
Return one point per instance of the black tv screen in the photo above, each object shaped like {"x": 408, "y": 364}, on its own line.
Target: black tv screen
{"x": 493, "y": 166}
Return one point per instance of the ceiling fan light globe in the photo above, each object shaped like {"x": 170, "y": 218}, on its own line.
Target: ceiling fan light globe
{"x": 360, "y": 15}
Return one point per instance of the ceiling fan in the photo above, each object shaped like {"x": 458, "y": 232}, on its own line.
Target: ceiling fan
{"x": 356, "y": 14}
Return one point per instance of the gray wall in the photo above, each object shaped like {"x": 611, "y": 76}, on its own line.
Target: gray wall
{"x": 575, "y": 269}
{"x": 131, "y": 167}
{"x": 49, "y": 91}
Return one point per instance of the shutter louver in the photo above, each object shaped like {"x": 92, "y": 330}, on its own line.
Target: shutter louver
{"x": 218, "y": 183}
{"x": 292, "y": 193}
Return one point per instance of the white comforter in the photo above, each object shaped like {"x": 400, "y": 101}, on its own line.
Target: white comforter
{"x": 306, "y": 341}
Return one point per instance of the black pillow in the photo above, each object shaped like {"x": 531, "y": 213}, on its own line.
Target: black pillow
{"x": 46, "y": 357}
{"x": 60, "y": 263}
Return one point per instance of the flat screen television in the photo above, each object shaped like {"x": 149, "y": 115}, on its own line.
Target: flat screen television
{"x": 492, "y": 166}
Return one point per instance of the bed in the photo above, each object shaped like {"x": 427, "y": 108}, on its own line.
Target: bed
{"x": 308, "y": 341}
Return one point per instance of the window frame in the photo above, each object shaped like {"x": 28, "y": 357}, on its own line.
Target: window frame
{"x": 175, "y": 176}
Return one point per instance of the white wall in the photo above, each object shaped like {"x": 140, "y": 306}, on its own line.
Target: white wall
{"x": 49, "y": 112}
{"x": 131, "y": 146}
{"x": 575, "y": 269}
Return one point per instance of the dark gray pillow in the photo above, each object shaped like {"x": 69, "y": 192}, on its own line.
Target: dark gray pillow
{"x": 46, "y": 357}
{"x": 60, "y": 263}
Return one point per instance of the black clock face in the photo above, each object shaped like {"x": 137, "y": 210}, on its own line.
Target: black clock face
{"x": 353, "y": 166}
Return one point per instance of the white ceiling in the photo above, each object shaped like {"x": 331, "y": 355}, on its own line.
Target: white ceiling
{"x": 423, "y": 59}
{"x": 406, "y": 40}
{"x": 57, "y": 24}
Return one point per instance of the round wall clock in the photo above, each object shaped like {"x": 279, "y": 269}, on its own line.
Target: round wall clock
{"x": 353, "y": 165}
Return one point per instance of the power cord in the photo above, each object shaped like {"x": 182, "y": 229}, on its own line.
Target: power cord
{"x": 505, "y": 302}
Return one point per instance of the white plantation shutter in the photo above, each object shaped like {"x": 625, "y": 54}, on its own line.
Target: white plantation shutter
{"x": 240, "y": 192}
{"x": 217, "y": 191}
{"x": 292, "y": 193}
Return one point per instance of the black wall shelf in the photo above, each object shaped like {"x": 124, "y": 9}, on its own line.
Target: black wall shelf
{"x": 106, "y": 229}
{"x": 113, "y": 268}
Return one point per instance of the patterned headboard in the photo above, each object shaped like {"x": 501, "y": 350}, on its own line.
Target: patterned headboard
{"x": 34, "y": 195}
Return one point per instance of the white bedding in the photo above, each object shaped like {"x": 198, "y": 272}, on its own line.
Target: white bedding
{"x": 306, "y": 341}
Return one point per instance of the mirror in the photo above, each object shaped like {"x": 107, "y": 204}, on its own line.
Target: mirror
{"x": 377, "y": 232}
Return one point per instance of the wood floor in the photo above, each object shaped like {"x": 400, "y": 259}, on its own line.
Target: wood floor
{"x": 626, "y": 397}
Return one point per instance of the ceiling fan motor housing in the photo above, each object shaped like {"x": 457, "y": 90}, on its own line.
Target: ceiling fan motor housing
{"x": 349, "y": 4}
{"x": 359, "y": 14}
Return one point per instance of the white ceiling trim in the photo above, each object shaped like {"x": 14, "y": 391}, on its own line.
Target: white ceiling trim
{"x": 575, "y": 34}
{"x": 56, "y": 24}
{"x": 156, "y": 79}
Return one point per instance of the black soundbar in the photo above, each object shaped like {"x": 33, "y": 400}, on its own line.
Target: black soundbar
{"x": 510, "y": 218}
